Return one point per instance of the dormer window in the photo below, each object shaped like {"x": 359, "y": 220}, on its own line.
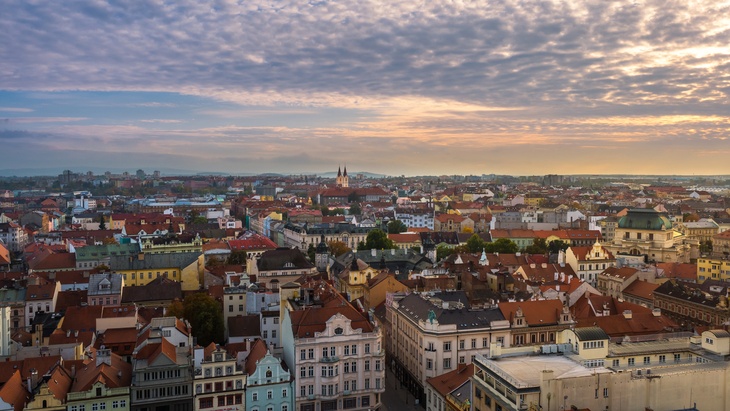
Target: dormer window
{"x": 338, "y": 331}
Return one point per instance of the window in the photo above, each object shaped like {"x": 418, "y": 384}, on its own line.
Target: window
{"x": 94, "y": 407}
{"x": 311, "y": 353}
{"x": 284, "y": 392}
{"x": 615, "y": 363}
{"x": 354, "y": 350}
{"x": 102, "y": 405}
{"x": 303, "y": 372}
{"x": 429, "y": 364}
{"x": 273, "y": 333}
{"x": 631, "y": 361}
{"x": 662, "y": 358}
{"x": 255, "y": 396}
{"x": 269, "y": 394}
{"x": 447, "y": 346}
{"x": 462, "y": 359}
{"x": 447, "y": 363}
{"x": 265, "y": 334}
{"x": 115, "y": 404}
{"x": 461, "y": 345}
{"x": 605, "y": 393}
{"x": 302, "y": 355}
{"x": 367, "y": 348}
{"x": 485, "y": 342}
{"x": 367, "y": 365}
{"x": 677, "y": 357}
{"x": 473, "y": 343}
{"x": 347, "y": 350}
{"x": 647, "y": 360}
{"x": 302, "y": 391}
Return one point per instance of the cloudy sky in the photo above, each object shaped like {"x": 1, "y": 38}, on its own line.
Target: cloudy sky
{"x": 394, "y": 87}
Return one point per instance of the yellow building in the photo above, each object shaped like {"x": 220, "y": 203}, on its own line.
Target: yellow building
{"x": 713, "y": 268}
{"x": 172, "y": 244}
{"x": 186, "y": 268}
{"x": 379, "y": 286}
{"x": 649, "y": 234}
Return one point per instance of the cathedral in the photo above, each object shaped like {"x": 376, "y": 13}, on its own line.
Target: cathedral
{"x": 342, "y": 179}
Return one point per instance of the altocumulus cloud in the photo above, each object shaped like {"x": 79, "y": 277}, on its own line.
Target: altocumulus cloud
{"x": 489, "y": 73}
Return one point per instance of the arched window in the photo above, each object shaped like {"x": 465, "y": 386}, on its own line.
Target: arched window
{"x": 268, "y": 373}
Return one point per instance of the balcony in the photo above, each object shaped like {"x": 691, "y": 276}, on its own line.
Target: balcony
{"x": 329, "y": 359}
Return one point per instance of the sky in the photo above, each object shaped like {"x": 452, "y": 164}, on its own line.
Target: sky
{"x": 392, "y": 87}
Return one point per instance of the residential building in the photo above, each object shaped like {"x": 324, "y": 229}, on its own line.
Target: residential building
{"x": 13, "y": 236}
{"x": 6, "y": 328}
{"x": 92, "y": 256}
{"x": 186, "y": 268}
{"x": 430, "y": 333}
{"x": 336, "y": 351}
{"x": 219, "y": 382}
{"x": 105, "y": 289}
{"x": 270, "y": 385}
{"x": 14, "y": 298}
{"x": 415, "y": 218}
{"x": 703, "y": 230}
{"x": 40, "y": 298}
{"x": 588, "y": 261}
{"x": 689, "y": 305}
{"x": 163, "y": 367}
{"x": 102, "y": 382}
{"x": 713, "y": 268}
{"x": 721, "y": 245}
{"x": 451, "y": 391}
{"x": 280, "y": 266}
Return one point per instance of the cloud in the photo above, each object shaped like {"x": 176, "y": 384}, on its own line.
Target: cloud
{"x": 16, "y": 109}
{"x": 435, "y": 78}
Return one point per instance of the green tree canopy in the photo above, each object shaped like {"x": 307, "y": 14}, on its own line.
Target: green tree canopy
{"x": 475, "y": 244}
{"x": 539, "y": 246}
{"x": 237, "y": 257}
{"x": 502, "y": 245}
{"x": 205, "y": 316}
{"x": 311, "y": 252}
{"x": 378, "y": 239}
{"x": 556, "y": 246}
{"x": 102, "y": 223}
{"x": 396, "y": 227}
{"x": 199, "y": 220}
{"x": 355, "y": 209}
{"x": 443, "y": 251}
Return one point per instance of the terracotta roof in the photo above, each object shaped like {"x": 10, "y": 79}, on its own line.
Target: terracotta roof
{"x": 682, "y": 271}
{"x": 81, "y": 318}
{"x": 257, "y": 352}
{"x": 624, "y": 272}
{"x": 4, "y": 255}
{"x": 405, "y": 238}
{"x": 308, "y": 321}
{"x": 40, "y": 292}
{"x": 641, "y": 323}
{"x": 581, "y": 252}
{"x": 40, "y": 364}
{"x": 448, "y": 382}
{"x": 642, "y": 289}
{"x": 70, "y": 298}
{"x": 13, "y": 392}
{"x": 55, "y": 261}
{"x": 59, "y": 336}
{"x": 117, "y": 373}
{"x": 152, "y": 350}
{"x": 252, "y": 242}
{"x": 540, "y": 312}
{"x": 60, "y": 383}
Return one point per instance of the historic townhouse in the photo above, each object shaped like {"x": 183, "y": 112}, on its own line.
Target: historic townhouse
{"x": 219, "y": 382}
{"x": 431, "y": 333}
{"x": 163, "y": 367}
{"x": 270, "y": 385}
{"x": 588, "y": 261}
{"x": 336, "y": 352}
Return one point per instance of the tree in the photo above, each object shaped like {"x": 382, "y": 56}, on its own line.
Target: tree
{"x": 443, "y": 251}
{"x": 377, "y": 239}
{"x": 355, "y": 209}
{"x": 199, "y": 220}
{"x": 325, "y": 210}
{"x": 706, "y": 247}
{"x": 353, "y": 197}
{"x": 556, "y": 246}
{"x": 337, "y": 211}
{"x": 502, "y": 245}
{"x": 396, "y": 227}
{"x": 205, "y": 316}
{"x": 237, "y": 257}
{"x": 102, "y": 223}
{"x": 311, "y": 252}
{"x": 337, "y": 248}
{"x": 539, "y": 246}
{"x": 361, "y": 246}
{"x": 475, "y": 244}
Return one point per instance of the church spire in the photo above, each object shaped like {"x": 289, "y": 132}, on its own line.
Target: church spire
{"x": 339, "y": 171}
{"x": 344, "y": 173}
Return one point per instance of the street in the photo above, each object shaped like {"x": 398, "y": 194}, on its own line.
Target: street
{"x": 396, "y": 398}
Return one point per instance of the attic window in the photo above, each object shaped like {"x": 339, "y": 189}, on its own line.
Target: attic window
{"x": 289, "y": 265}
{"x": 338, "y": 330}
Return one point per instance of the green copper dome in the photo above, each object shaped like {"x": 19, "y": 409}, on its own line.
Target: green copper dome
{"x": 645, "y": 219}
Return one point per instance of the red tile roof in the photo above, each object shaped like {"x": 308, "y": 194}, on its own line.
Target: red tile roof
{"x": 13, "y": 392}
{"x": 257, "y": 352}
{"x": 448, "y": 382}
{"x": 540, "y": 312}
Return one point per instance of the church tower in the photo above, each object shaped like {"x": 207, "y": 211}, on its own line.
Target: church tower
{"x": 322, "y": 256}
{"x": 342, "y": 179}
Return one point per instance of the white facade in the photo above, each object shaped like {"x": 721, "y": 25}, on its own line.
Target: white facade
{"x": 6, "y": 343}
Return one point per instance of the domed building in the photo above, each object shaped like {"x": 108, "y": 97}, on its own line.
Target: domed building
{"x": 648, "y": 234}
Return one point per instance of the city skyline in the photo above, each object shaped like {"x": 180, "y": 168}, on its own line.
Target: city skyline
{"x": 510, "y": 87}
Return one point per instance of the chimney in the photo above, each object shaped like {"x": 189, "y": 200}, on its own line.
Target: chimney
{"x": 373, "y": 252}
{"x": 73, "y": 371}
{"x": 33, "y": 379}
{"x": 532, "y": 265}
{"x": 68, "y": 333}
{"x": 555, "y": 276}
{"x": 76, "y": 333}
{"x": 628, "y": 314}
{"x": 103, "y": 356}
{"x": 392, "y": 251}
{"x": 544, "y": 265}
{"x": 656, "y": 312}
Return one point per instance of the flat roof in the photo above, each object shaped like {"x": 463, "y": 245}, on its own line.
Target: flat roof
{"x": 525, "y": 371}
